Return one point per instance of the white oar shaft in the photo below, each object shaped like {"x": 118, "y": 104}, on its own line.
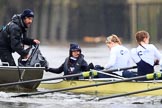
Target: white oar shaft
{"x": 119, "y": 69}
{"x": 116, "y": 76}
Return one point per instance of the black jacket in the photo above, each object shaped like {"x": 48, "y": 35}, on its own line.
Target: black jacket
{"x": 79, "y": 66}
{"x": 13, "y": 36}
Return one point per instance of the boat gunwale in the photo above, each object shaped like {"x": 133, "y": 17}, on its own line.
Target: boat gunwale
{"x": 21, "y": 67}
{"x": 91, "y": 80}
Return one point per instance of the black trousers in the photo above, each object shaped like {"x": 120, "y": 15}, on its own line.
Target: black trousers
{"x": 7, "y": 57}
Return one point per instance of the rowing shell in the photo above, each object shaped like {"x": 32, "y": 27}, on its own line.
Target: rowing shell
{"x": 122, "y": 87}
{"x": 10, "y": 74}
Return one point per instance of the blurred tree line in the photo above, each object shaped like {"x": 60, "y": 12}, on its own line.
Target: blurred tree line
{"x": 58, "y": 21}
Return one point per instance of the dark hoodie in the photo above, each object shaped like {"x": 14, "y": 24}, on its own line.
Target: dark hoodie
{"x": 13, "y": 36}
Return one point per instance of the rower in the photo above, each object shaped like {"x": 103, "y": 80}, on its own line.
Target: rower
{"x": 146, "y": 55}
{"x": 119, "y": 57}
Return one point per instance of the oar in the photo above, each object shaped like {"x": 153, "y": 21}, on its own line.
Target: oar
{"x": 130, "y": 93}
{"x": 148, "y": 76}
{"x": 37, "y": 80}
{"x": 119, "y": 69}
{"x": 84, "y": 74}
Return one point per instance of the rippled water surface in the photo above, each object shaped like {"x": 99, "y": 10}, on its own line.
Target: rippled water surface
{"x": 56, "y": 56}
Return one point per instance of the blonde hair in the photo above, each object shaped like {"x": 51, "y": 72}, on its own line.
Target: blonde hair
{"x": 140, "y": 35}
{"x": 113, "y": 38}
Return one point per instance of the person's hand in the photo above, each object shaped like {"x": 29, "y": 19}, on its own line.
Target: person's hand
{"x": 98, "y": 67}
{"x": 36, "y": 41}
{"x": 156, "y": 62}
{"x": 26, "y": 57}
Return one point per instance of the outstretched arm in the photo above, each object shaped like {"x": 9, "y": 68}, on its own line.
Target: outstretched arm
{"x": 56, "y": 70}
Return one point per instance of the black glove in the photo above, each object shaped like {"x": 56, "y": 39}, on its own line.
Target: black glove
{"x": 91, "y": 66}
{"x": 98, "y": 67}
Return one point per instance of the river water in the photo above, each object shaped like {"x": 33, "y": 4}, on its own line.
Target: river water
{"x": 56, "y": 56}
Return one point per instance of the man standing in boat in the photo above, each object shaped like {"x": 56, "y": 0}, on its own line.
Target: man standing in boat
{"x": 73, "y": 64}
{"x": 13, "y": 37}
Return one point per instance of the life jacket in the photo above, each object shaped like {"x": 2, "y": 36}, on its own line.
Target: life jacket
{"x": 76, "y": 66}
